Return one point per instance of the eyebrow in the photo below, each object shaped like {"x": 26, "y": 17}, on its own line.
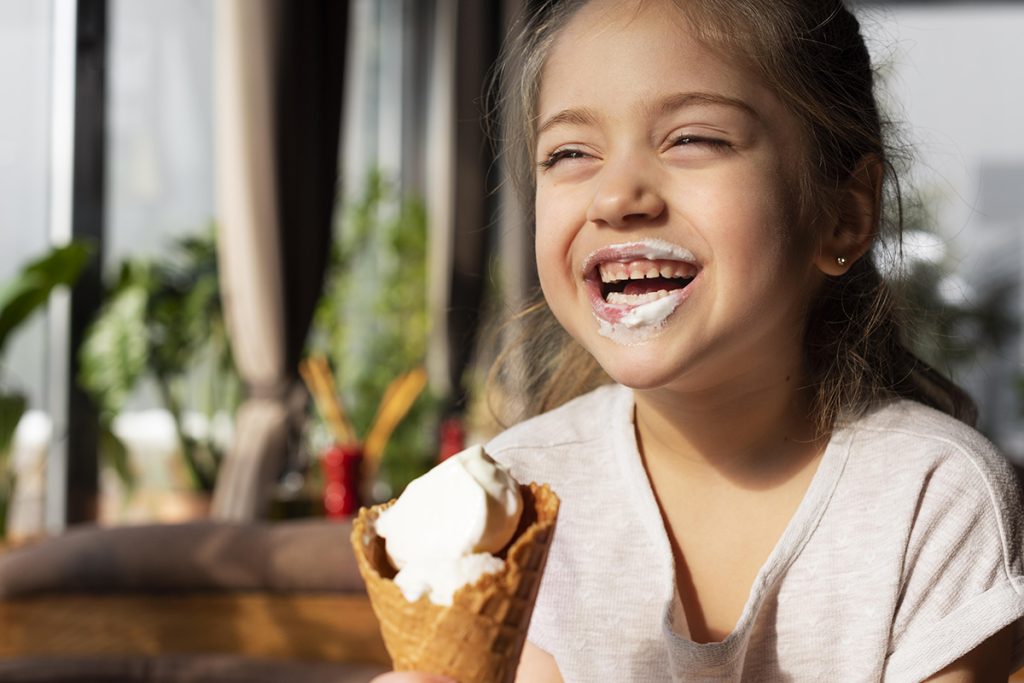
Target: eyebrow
{"x": 586, "y": 117}
{"x": 692, "y": 99}
{"x": 572, "y": 117}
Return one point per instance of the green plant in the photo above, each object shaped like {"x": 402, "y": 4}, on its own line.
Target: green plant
{"x": 950, "y": 330}
{"x": 372, "y": 320}
{"x": 949, "y": 323}
{"x": 12, "y": 407}
{"x": 19, "y": 299}
{"x": 161, "y": 320}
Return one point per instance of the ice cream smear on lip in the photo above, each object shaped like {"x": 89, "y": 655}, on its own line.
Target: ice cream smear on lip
{"x": 640, "y": 282}
{"x": 443, "y": 531}
{"x": 639, "y": 323}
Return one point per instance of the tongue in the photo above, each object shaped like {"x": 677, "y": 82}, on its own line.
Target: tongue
{"x": 653, "y": 284}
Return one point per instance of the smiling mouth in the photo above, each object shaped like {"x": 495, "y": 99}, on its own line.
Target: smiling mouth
{"x": 640, "y": 281}
{"x": 635, "y": 287}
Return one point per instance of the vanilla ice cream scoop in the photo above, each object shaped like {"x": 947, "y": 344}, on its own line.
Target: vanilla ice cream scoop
{"x": 442, "y": 530}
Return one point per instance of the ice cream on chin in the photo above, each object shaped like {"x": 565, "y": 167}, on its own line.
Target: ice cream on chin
{"x": 443, "y": 531}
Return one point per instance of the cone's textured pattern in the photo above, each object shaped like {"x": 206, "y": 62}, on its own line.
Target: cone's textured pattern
{"x": 479, "y": 638}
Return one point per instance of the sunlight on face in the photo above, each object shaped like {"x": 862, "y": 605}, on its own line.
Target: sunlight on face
{"x": 667, "y": 238}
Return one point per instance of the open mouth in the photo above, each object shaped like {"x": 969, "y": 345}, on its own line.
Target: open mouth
{"x": 635, "y": 287}
{"x": 641, "y": 281}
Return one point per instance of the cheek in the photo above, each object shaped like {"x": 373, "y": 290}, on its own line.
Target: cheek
{"x": 548, "y": 267}
{"x": 757, "y": 238}
{"x": 546, "y": 261}
{"x": 553, "y": 237}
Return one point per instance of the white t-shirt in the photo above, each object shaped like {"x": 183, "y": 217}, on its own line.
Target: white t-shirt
{"x": 905, "y": 554}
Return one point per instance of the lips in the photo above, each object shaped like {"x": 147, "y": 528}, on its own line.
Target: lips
{"x": 623, "y": 277}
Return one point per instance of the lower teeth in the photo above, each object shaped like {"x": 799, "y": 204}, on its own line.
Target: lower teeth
{"x": 635, "y": 299}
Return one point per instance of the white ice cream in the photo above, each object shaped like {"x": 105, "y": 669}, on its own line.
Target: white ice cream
{"x": 639, "y": 324}
{"x": 649, "y": 249}
{"x": 441, "y": 532}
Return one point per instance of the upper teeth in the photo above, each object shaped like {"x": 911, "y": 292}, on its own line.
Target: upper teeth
{"x": 614, "y": 271}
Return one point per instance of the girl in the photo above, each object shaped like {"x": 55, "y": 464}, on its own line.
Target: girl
{"x": 767, "y": 486}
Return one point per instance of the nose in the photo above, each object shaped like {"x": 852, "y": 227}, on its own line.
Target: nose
{"x": 625, "y": 196}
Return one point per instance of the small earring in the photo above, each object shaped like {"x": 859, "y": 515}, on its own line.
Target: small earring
{"x": 841, "y": 260}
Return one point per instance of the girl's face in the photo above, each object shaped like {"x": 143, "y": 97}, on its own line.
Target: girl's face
{"x": 668, "y": 241}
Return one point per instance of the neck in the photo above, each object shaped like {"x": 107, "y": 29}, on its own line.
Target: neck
{"x": 754, "y": 434}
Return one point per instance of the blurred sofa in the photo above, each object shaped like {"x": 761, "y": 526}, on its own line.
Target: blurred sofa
{"x": 204, "y": 601}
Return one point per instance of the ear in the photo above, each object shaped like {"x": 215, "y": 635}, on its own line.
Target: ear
{"x": 855, "y": 226}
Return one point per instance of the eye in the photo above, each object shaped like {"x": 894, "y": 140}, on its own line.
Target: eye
{"x": 687, "y": 140}
{"x": 561, "y": 154}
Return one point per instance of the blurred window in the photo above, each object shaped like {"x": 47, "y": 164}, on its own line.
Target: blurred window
{"x": 159, "y": 133}
{"x": 159, "y": 125}
{"x": 952, "y": 73}
{"x": 25, "y": 64}
{"x": 392, "y": 90}
{"x": 159, "y": 190}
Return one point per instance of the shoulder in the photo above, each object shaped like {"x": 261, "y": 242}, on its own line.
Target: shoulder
{"x": 953, "y": 510}
{"x": 570, "y": 438}
{"x": 946, "y": 472}
{"x": 913, "y": 437}
{"x": 581, "y": 420}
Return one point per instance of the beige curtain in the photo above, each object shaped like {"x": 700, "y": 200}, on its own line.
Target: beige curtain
{"x": 249, "y": 252}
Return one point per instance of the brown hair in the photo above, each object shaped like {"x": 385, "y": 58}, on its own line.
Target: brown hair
{"x": 812, "y": 54}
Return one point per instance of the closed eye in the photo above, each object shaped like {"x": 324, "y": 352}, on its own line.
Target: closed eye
{"x": 560, "y": 155}
{"x": 696, "y": 140}
{"x": 571, "y": 153}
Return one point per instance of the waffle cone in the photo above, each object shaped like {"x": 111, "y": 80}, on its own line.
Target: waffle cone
{"x": 479, "y": 637}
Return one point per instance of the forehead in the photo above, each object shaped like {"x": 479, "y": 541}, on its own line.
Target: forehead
{"x": 620, "y": 54}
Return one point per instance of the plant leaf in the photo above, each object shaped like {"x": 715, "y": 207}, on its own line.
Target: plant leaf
{"x": 32, "y": 286}
{"x": 115, "y": 453}
{"x": 115, "y": 351}
{"x": 12, "y": 407}
{"x": 372, "y": 319}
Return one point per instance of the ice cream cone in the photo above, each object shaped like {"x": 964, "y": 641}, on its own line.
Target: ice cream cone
{"x": 479, "y": 637}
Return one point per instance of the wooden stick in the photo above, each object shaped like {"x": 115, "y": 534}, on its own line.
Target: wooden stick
{"x": 335, "y": 406}
{"x": 318, "y": 378}
{"x": 396, "y": 402}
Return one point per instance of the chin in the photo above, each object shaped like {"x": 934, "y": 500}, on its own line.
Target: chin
{"x": 641, "y": 366}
